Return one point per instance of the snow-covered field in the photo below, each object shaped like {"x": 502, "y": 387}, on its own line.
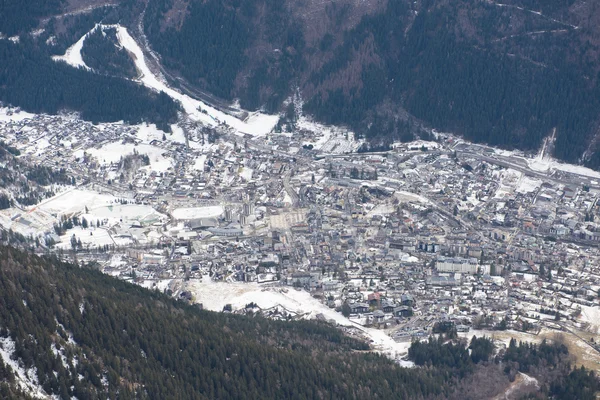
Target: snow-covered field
{"x": 528, "y": 185}
{"x": 73, "y": 54}
{"x": 408, "y": 196}
{"x": 149, "y": 132}
{"x": 332, "y": 139}
{"x": 126, "y": 213}
{"x": 548, "y": 164}
{"x": 75, "y": 201}
{"x": 591, "y": 315}
{"x": 10, "y": 114}
{"x": 113, "y": 152}
{"x": 197, "y": 212}
{"x": 575, "y": 169}
{"x": 199, "y": 163}
{"x": 91, "y": 237}
{"x": 94, "y": 207}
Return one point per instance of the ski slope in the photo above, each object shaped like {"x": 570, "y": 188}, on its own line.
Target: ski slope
{"x": 256, "y": 125}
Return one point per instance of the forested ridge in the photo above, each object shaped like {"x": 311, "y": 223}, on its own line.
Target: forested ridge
{"x": 508, "y": 75}
{"x": 215, "y": 42}
{"x": 30, "y": 79}
{"x": 504, "y": 75}
{"x": 117, "y": 340}
{"x": 89, "y": 335}
{"x": 101, "y": 52}
{"x": 18, "y": 16}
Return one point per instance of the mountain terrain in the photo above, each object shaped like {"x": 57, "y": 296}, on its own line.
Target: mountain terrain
{"x": 502, "y": 73}
{"x": 72, "y": 332}
{"x": 505, "y": 73}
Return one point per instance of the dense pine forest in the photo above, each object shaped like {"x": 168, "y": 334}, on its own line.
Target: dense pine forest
{"x": 102, "y": 53}
{"x": 19, "y": 16}
{"x": 84, "y": 334}
{"x": 506, "y": 76}
{"x": 31, "y": 79}
{"x": 213, "y": 46}
{"x": 460, "y": 88}
{"x": 113, "y": 337}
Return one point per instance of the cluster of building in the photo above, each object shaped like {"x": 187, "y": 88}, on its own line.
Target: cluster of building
{"x": 425, "y": 233}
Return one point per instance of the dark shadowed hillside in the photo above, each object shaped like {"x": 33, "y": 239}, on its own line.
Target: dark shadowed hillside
{"x": 70, "y": 331}
{"x": 506, "y": 74}
{"x": 80, "y": 333}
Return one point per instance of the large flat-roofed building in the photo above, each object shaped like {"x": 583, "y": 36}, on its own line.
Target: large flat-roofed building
{"x": 456, "y": 264}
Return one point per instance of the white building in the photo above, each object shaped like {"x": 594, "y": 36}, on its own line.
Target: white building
{"x": 462, "y": 265}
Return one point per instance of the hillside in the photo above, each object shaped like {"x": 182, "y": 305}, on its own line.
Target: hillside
{"x": 32, "y": 80}
{"x": 75, "y": 332}
{"x": 69, "y": 332}
{"x": 505, "y": 74}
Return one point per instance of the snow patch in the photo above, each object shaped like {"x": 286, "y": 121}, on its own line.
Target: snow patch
{"x": 73, "y": 54}
{"x": 9, "y": 114}
{"x": 257, "y": 124}
{"x": 60, "y": 354}
{"x": 26, "y": 378}
{"x": 113, "y": 152}
{"x": 73, "y": 201}
{"x": 528, "y": 185}
{"x": 548, "y": 165}
{"x": 197, "y": 212}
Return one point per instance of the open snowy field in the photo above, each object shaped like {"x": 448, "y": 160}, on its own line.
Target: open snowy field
{"x": 75, "y": 201}
{"x": 126, "y": 213}
{"x": 197, "y": 212}
{"x": 332, "y": 139}
{"x": 113, "y": 152}
{"x": 9, "y": 114}
{"x": 199, "y": 163}
{"x": 90, "y": 237}
{"x": 545, "y": 163}
{"x": 548, "y": 165}
{"x": 591, "y": 315}
{"x": 149, "y": 132}
{"x": 528, "y": 185}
